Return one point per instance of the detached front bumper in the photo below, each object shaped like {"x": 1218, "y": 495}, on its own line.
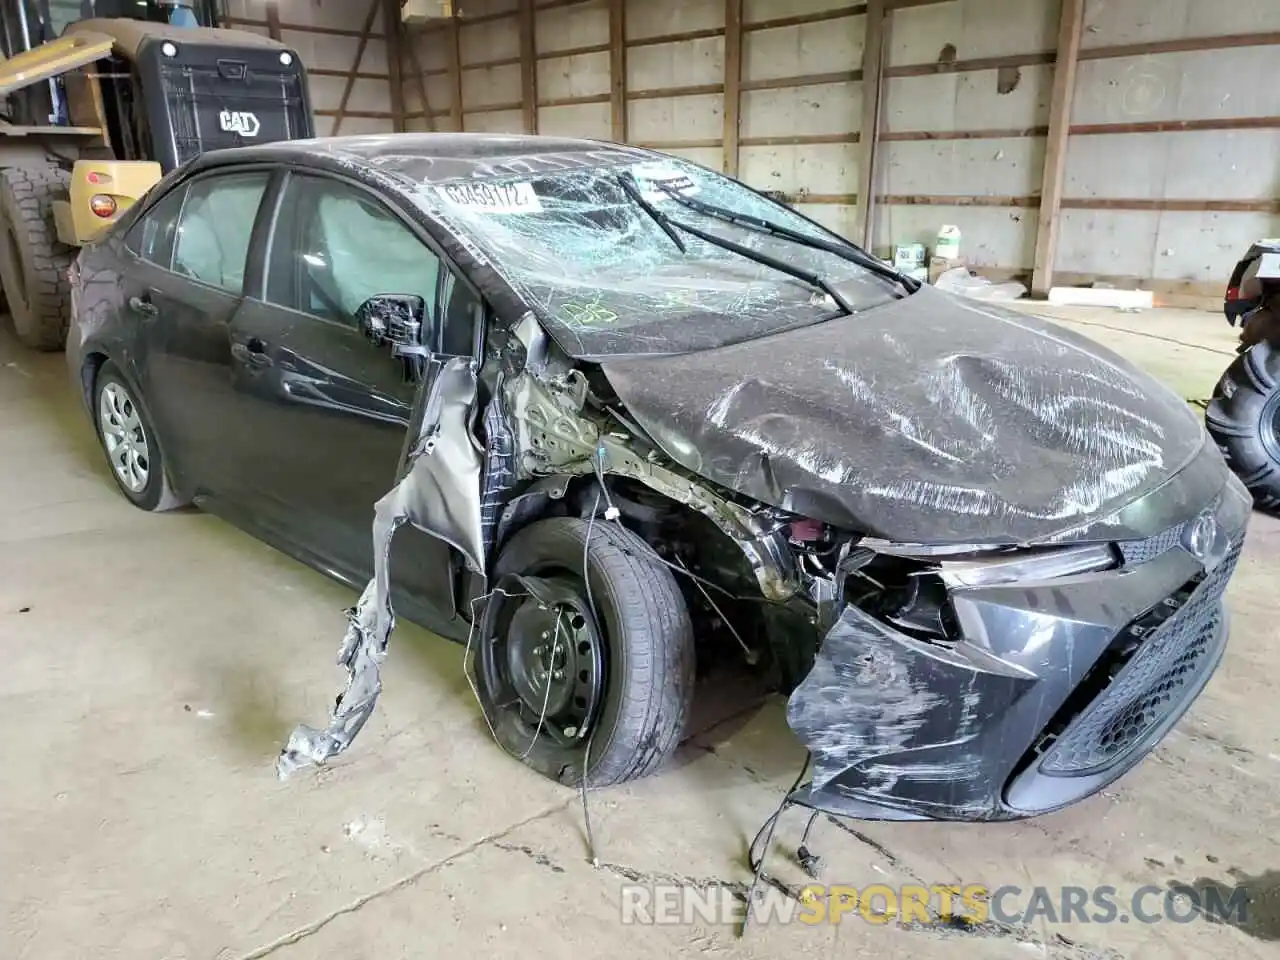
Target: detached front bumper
{"x": 1057, "y": 688}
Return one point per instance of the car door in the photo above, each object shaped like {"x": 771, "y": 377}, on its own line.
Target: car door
{"x": 189, "y": 284}
{"x": 331, "y": 408}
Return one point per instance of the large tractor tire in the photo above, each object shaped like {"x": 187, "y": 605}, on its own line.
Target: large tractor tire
{"x": 33, "y": 263}
{"x": 1244, "y": 419}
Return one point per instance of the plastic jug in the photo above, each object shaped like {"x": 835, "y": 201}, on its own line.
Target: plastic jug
{"x": 948, "y": 244}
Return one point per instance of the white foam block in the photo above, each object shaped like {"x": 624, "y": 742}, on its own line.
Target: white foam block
{"x": 1102, "y": 297}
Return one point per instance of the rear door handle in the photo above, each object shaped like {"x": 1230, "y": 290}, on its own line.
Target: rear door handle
{"x": 252, "y": 352}
{"x": 143, "y": 306}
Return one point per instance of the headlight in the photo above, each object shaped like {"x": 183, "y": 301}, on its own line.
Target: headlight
{"x": 1027, "y": 565}
{"x": 970, "y": 565}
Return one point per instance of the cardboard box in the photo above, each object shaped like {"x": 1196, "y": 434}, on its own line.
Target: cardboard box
{"x": 908, "y": 256}
{"x": 940, "y": 265}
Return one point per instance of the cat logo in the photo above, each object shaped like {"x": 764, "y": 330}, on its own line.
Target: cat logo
{"x": 239, "y": 121}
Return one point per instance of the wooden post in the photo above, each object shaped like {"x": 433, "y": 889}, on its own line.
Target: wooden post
{"x": 394, "y": 30}
{"x": 355, "y": 67}
{"x": 529, "y": 65}
{"x": 411, "y": 45}
{"x": 873, "y": 58}
{"x": 732, "y": 83}
{"x": 455, "y": 72}
{"x": 618, "y": 69}
{"x": 273, "y": 21}
{"x": 1055, "y": 155}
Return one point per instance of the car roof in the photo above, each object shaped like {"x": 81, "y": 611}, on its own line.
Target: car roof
{"x": 438, "y": 157}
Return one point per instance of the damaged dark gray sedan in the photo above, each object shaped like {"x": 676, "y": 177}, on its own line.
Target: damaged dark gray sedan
{"x": 624, "y": 409}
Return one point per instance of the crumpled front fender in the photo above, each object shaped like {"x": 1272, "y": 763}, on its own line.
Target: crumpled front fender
{"x": 881, "y": 710}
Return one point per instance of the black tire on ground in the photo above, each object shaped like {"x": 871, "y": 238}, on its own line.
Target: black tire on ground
{"x": 157, "y": 495}
{"x": 648, "y": 650}
{"x": 1244, "y": 419}
{"x": 33, "y": 264}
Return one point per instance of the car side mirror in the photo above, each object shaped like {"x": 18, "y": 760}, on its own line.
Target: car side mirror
{"x": 394, "y": 318}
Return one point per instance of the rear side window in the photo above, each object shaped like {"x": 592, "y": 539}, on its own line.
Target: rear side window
{"x": 215, "y": 227}
{"x": 151, "y": 237}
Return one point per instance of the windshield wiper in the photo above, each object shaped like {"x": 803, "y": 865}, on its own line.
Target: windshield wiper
{"x": 670, "y": 226}
{"x": 808, "y": 276}
{"x": 845, "y": 251}
{"x": 631, "y": 190}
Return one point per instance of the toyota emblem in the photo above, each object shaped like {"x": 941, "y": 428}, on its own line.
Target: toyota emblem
{"x": 1199, "y": 536}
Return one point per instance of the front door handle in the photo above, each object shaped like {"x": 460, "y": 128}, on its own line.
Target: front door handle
{"x": 252, "y": 352}
{"x": 143, "y": 306}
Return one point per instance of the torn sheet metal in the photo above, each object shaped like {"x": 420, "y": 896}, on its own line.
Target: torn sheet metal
{"x": 927, "y": 420}
{"x": 439, "y": 493}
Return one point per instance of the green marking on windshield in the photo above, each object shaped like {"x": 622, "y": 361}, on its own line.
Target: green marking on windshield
{"x": 587, "y": 315}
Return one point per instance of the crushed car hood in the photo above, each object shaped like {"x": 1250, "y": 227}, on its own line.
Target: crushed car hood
{"x": 929, "y": 420}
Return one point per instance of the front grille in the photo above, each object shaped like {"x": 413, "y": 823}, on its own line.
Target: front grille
{"x": 1140, "y": 551}
{"x": 1169, "y": 658}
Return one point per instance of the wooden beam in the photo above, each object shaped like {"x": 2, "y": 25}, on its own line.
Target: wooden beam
{"x": 365, "y": 31}
{"x": 618, "y": 70}
{"x": 411, "y": 47}
{"x": 529, "y": 65}
{"x": 873, "y": 61}
{"x": 1055, "y": 158}
{"x": 394, "y": 30}
{"x": 273, "y": 21}
{"x": 732, "y": 83}
{"x": 455, "y": 73}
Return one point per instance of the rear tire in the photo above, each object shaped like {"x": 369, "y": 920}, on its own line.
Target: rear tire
{"x": 137, "y": 466}
{"x": 1244, "y": 419}
{"x": 33, "y": 263}
{"x": 644, "y": 644}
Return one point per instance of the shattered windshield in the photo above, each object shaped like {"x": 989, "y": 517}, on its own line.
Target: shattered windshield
{"x": 595, "y": 253}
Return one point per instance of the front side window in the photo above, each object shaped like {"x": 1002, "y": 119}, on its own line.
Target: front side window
{"x": 151, "y": 237}
{"x": 585, "y": 247}
{"x": 215, "y": 228}
{"x": 335, "y": 246}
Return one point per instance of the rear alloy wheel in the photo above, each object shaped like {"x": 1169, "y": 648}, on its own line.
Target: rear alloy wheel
{"x": 33, "y": 263}
{"x": 1244, "y": 419}
{"x": 559, "y": 668}
{"x": 129, "y": 442}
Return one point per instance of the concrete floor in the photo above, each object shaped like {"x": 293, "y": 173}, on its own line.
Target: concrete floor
{"x": 154, "y": 664}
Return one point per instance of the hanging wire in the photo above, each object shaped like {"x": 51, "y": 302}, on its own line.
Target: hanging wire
{"x": 466, "y": 655}
{"x": 748, "y": 654}
{"x": 546, "y": 693}
{"x": 757, "y": 866}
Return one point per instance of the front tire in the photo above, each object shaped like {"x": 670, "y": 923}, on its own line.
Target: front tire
{"x": 553, "y": 678}
{"x": 1244, "y": 419}
{"x": 129, "y": 441}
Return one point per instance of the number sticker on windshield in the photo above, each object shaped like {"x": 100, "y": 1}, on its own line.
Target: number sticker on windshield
{"x": 653, "y": 177}
{"x": 492, "y": 197}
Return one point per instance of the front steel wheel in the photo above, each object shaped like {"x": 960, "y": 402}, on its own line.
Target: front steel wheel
{"x": 576, "y": 679}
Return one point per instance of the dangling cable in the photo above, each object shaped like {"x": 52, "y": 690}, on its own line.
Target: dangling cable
{"x": 466, "y": 655}
{"x": 757, "y": 866}
{"x": 546, "y": 694}
{"x": 808, "y": 861}
{"x": 595, "y": 621}
{"x": 748, "y": 654}
{"x": 586, "y": 811}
